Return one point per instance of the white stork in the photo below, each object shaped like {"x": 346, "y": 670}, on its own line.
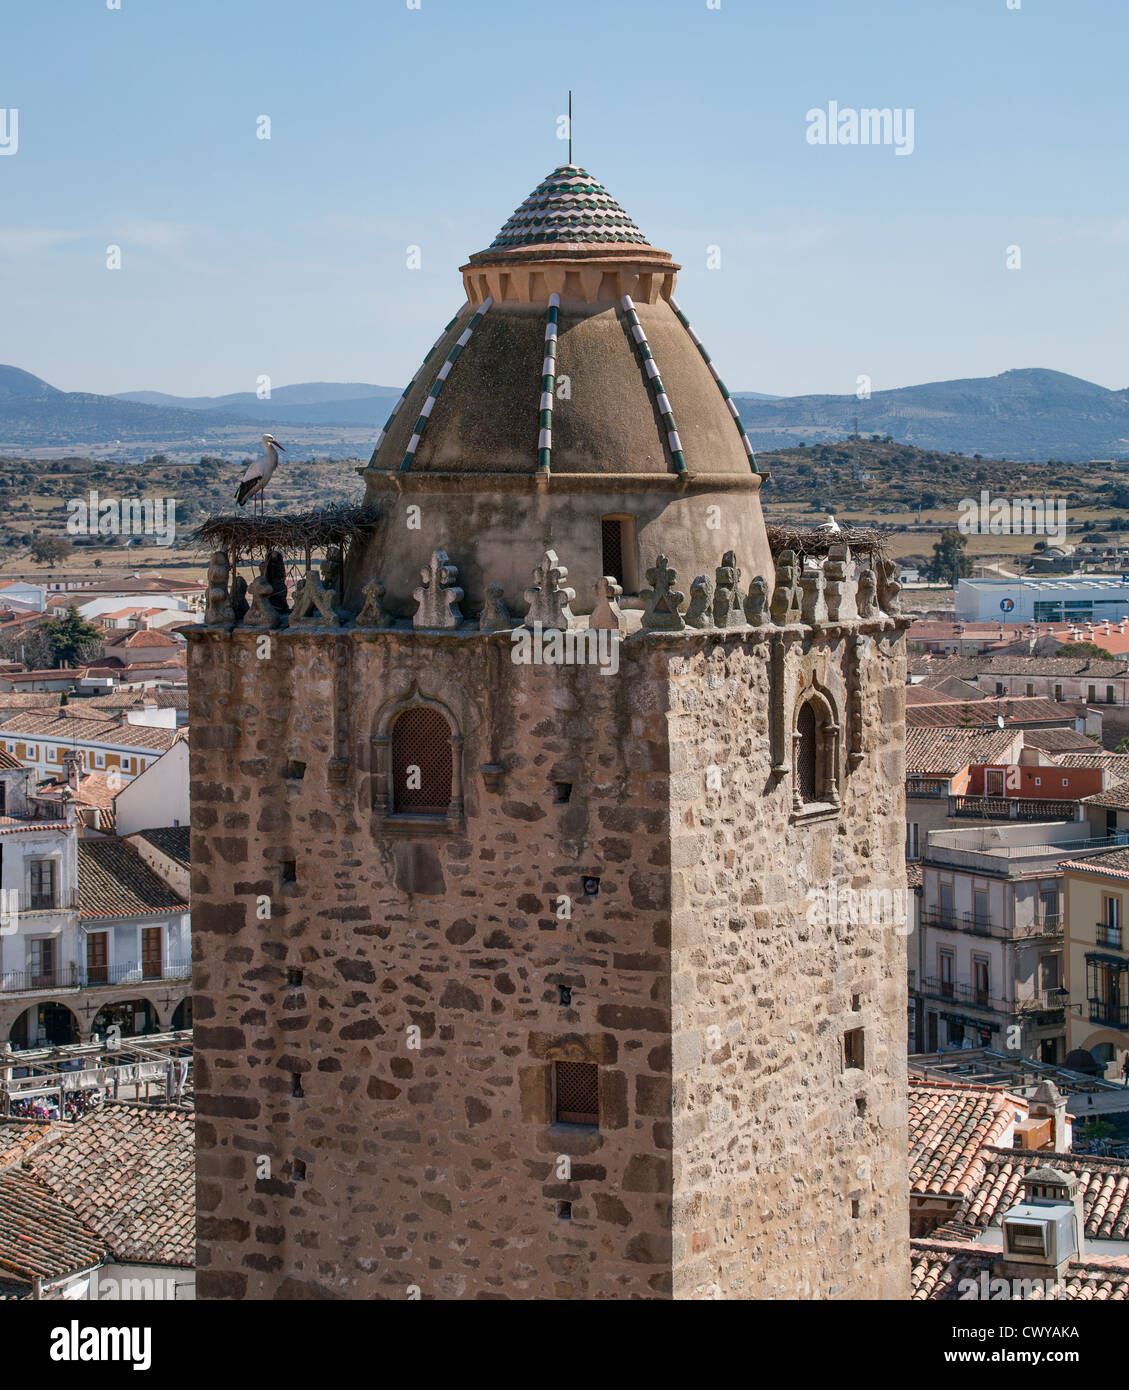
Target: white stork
{"x": 259, "y": 472}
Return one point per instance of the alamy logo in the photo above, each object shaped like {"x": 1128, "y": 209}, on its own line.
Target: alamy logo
{"x": 1019, "y": 516}
{"x": 589, "y": 646}
{"x": 77, "y": 1343}
{"x": 9, "y": 129}
{"x": 129, "y": 516}
{"x": 871, "y": 126}
{"x": 829, "y": 906}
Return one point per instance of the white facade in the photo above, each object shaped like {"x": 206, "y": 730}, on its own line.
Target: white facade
{"x": 111, "y": 603}
{"x": 1070, "y": 598}
{"x": 30, "y": 596}
{"x": 159, "y": 796}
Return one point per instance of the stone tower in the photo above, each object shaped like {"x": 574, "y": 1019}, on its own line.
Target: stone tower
{"x": 537, "y": 849}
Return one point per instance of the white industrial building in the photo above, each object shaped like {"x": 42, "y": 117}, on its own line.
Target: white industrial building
{"x": 1064, "y": 599}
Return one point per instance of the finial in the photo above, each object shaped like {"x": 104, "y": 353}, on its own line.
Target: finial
{"x": 570, "y": 126}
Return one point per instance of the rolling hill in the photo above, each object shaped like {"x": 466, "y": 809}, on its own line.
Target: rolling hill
{"x": 1028, "y": 414}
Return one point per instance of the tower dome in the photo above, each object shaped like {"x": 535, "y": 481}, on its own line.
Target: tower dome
{"x": 568, "y": 392}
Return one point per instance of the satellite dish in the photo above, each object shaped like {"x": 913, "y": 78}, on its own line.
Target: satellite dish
{"x": 999, "y": 721}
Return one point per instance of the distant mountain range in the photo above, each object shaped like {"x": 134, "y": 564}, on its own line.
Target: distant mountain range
{"x": 1030, "y": 414}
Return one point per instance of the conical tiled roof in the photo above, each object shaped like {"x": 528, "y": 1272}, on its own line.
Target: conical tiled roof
{"x": 568, "y": 206}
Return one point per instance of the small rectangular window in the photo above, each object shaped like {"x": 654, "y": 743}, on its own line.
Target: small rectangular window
{"x": 853, "y": 1049}
{"x": 577, "y": 1093}
{"x": 294, "y": 771}
{"x": 290, "y": 871}
{"x": 617, "y": 551}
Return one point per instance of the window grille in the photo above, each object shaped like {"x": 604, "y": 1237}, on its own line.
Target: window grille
{"x": 577, "y": 1093}
{"x": 422, "y": 764}
{"x": 806, "y": 755}
{"x": 611, "y": 536}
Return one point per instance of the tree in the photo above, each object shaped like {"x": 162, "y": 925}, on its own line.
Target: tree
{"x": 949, "y": 560}
{"x": 30, "y": 647}
{"x": 48, "y": 549}
{"x": 73, "y": 640}
{"x": 98, "y": 562}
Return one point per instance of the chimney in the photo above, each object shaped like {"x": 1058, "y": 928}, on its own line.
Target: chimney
{"x": 72, "y": 769}
{"x": 1048, "y": 1102}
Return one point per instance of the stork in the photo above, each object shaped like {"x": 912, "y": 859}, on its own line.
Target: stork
{"x": 259, "y": 472}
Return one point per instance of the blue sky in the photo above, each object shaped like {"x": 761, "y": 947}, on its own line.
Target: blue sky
{"x": 393, "y": 127}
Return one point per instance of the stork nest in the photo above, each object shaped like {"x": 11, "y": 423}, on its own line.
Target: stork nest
{"x": 814, "y": 540}
{"x": 339, "y": 524}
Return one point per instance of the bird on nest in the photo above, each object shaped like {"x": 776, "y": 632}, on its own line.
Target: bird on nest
{"x": 259, "y": 473}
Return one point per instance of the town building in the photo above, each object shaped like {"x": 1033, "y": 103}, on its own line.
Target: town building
{"x": 1096, "y": 949}
{"x": 538, "y": 990}
{"x": 90, "y": 935}
{"x": 125, "y": 744}
{"x": 1072, "y": 599}
{"x": 989, "y": 965}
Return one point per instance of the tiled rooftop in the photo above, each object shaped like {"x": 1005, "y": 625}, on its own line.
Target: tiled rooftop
{"x": 949, "y": 1126}
{"x": 938, "y": 1269}
{"x": 40, "y": 1236}
{"x": 1115, "y": 798}
{"x": 942, "y": 752}
{"x": 1058, "y": 741}
{"x": 65, "y": 729}
{"x": 114, "y": 881}
{"x": 571, "y": 207}
{"x": 1020, "y": 710}
{"x": 1114, "y": 863}
{"x": 173, "y": 840}
{"x": 17, "y": 1136}
{"x": 127, "y": 1170}
{"x": 1103, "y": 1182}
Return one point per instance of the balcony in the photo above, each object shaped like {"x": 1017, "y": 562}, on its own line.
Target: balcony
{"x": 38, "y": 904}
{"x": 935, "y": 787}
{"x": 959, "y": 993}
{"x": 972, "y": 922}
{"x": 1109, "y": 934}
{"x": 1109, "y": 1015}
{"x": 1019, "y": 808}
{"x": 71, "y": 977}
{"x": 1042, "y": 1001}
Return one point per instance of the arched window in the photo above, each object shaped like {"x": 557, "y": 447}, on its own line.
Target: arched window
{"x": 815, "y": 754}
{"x": 422, "y": 762}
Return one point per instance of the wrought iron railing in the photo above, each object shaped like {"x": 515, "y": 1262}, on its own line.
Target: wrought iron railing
{"x": 92, "y": 976}
{"x": 1109, "y": 934}
{"x": 1109, "y": 1015}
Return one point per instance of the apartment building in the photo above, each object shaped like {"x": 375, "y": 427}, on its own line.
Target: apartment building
{"x": 988, "y": 967}
{"x": 1096, "y": 949}
{"x": 90, "y": 935}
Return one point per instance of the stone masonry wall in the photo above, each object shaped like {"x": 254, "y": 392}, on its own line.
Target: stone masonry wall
{"x": 770, "y": 1147}
{"x": 438, "y": 1168}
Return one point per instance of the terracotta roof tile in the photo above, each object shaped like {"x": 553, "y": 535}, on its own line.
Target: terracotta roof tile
{"x": 128, "y": 1171}
{"x": 949, "y": 1126}
{"x": 114, "y": 881}
{"x": 173, "y": 840}
{"x": 937, "y": 1269}
{"x": 942, "y": 752}
{"x": 73, "y": 728}
{"x": 1103, "y": 1182}
{"x": 1017, "y": 710}
{"x": 40, "y": 1236}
